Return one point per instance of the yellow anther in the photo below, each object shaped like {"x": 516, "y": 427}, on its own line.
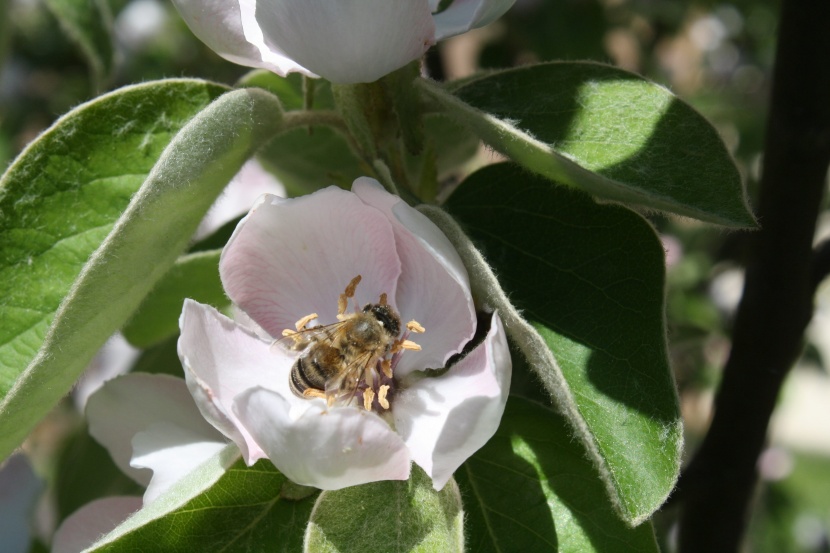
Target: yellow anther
{"x": 415, "y": 326}
{"x": 301, "y": 324}
{"x": 386, "y": 367}
{"x": 369, "y": 397}
{"x": 289, "y": 332}
{"x": 410, "y": 345}
{"x": 382, "y": 396}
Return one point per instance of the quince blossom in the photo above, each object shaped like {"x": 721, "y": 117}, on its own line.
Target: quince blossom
{"x": 344, "y": 41}
{"x": 292, "y": 257}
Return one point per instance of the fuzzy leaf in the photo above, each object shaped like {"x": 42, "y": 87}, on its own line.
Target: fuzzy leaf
{"x": 88, "y": 23}
{"x": 531, "y": 488}
{"x": 88, "y": 165}
{"x": 589, "y": 279}
{"x": 388, "y": 517}
{"x": 607, "y": 131}
{"x": 194, "y": 276}
{"x": 243, "y": 509}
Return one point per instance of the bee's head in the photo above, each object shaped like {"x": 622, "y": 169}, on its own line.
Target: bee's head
{"x": 386, "y": 316}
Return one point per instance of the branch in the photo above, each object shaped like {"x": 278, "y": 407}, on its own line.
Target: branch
{"x": 777, "y": 301}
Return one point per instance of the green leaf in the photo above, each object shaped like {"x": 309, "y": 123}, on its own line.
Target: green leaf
{"x": 388, "y": 517}
{"x": 194, "y": 276}
{"x": 241, "y": 510}
{"x": 88, "y": 23}
{"x": 62, "y": 200}
{"x": 531, "y": 488}
{"x": 63, "y": 194}
{"x": 589, "y": 278}
{"x": 607, "y": 131}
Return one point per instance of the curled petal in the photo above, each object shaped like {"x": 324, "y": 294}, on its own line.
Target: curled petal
{"x": 325, "y": 448}
{"x": 347, "y": 41}
{"x": 290, "y": 258}
{"x": 83, "y": 527}
{"x": 446, "y": 419}
{"x": 132, "y": 403}
{"x": 230, "y": 29}
{"x": 433, "y": 288}
{"x": 171, "y": 452}
{"x": 463, "y": 15}
{"x": 222, "y": 359}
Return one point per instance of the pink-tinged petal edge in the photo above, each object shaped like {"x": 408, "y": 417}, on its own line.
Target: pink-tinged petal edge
{"x": 445, "y": 419}
{"x": 291, "y": 257}
{"x": 329, "y": 449}
{"x": 433, "y": 288}
{"x": 83, "y": 527}
{"x": 222, "y": 359}
{"x": 132, "y": 403}
{"x": 348, "y": 41}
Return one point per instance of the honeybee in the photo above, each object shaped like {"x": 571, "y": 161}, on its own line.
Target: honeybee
{"x": 351, "y": 358}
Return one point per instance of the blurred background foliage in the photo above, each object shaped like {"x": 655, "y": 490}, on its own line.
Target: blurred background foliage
{"x": 715, "y": 55}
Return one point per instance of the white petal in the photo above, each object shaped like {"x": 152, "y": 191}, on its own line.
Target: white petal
{"x": 221, "y": 360}
{"x": 129, "y": 404}
{"x": 433, "y": 287}
{"x": 171, "y": 452}
{"x": 463, "y": 15}
{"x": 348, "y": 41}
{"x": 446, "y": 419}
{"x": 93, "y": 520}
{"x": 232, "y": 32}
{"x": 290, "y": 258}
{"x": 114, "y": 358}
{"x": 328, "y": 449}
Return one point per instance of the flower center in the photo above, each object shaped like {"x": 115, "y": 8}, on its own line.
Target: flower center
{"x": 350, "y": 361}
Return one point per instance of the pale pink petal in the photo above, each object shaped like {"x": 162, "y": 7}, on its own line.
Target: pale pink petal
{"x": 325, "y": 448}
{"x": 433, "y": 288}
{"x": 232, "y": 32}
{"x": 171, "y": 452}
{"x": 348, "y": 41}
{"x": 222, "y": 359}
{"x": 445, "y": 419}
{"x": 251, "y": 182}
{"x": 290, "y": 258}
{"x": 114, "y": 358}
{"x": 132, "y": 403}
{"x": 83, "y": 527}
{"x": 463, "y": 15}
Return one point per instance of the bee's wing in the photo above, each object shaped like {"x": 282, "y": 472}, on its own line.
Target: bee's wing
{"x": 344, "y": 386}
{"x": 299, "y": 340}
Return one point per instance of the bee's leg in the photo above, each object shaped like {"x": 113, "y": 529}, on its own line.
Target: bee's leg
{"x": 314, "y": 392}
{"x": 343, "y": 300}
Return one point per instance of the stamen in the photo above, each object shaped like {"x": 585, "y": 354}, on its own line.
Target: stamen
{"x": 386, "y": 367}
{"x": 343, "y": 300}
{"x": 369, "y": 397}
{"x": 314, "y": 392}
{"x": 301, "y": 324}
{"x": 382, "y": 396}
{"x": 415, "y": 326}
{"x": 288, "y": 332}
{"x": 382, "y": 300}
{"x": 410, "y": 345}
